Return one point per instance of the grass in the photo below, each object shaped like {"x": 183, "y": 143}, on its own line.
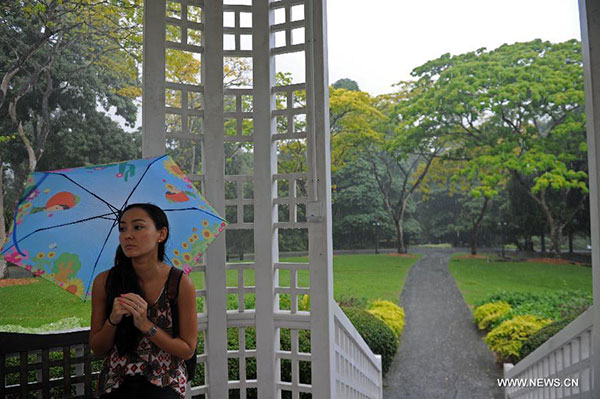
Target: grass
{"x": 359, "y": 276}
{"x": 477, "y": 279}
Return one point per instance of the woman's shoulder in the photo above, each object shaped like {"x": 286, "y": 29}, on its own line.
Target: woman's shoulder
{"x": 101, "y": 278}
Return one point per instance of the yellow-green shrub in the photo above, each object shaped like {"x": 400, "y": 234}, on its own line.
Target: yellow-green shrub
{"x": 489, "y": 313}
{"x": 506, "y": 339}
{"x": 390, "y": 313}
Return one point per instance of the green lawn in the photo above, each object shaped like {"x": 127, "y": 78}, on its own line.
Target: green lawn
{"x": 477, "y": 279}
{"x": 358, "y": 276}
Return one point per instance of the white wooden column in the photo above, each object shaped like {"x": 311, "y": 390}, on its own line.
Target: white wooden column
{"x": 153, "y": 79}
{"x": 589, "y": 11}
{"x": 265, "y": 190}
{"x": 213, "y": 163}
{"x": 319, "y": 208}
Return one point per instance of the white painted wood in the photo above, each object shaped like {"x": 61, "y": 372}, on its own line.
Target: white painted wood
{"x": 153, "y": 79}
{"x": 214, "y": 179}
{"x": 361, "y": 376}
{"x": 265, "y": 190}
{"x": 565, "y": 355}
{"x": 589, "y": 12}
{"x": 319, "y": 189}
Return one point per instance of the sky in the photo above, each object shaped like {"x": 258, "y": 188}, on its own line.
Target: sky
{"x": 378, "y": 42}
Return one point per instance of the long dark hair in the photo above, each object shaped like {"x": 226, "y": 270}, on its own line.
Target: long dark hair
{"x": 123, "y": 279}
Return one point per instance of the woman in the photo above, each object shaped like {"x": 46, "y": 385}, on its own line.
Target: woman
{"x": 131, "y": 321}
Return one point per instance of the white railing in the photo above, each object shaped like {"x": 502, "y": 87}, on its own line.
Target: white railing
{"x": 563, "y": 364}
{"x": 358, "y": 372}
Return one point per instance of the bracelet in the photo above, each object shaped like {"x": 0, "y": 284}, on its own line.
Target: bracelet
{"x": 110, "y": 321}
{"x": 150, "y": 333}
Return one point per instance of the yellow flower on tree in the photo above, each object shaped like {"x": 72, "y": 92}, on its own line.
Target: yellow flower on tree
{"x": 187, "y": 257}
{"x": 206, "y": 234}
{"x": 51, "y": 255}
{"x": 185, "y": 245}
{"x": 41, "y": 255}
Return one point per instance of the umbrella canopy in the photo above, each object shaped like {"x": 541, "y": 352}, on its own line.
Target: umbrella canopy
{"x": 65, "y": 227}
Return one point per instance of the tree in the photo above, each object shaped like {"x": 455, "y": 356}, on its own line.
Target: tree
{"x": 521, "y": 106}
{"x": 400, "y": 154}
{"x": 60, "y": 61}
{"x": 347, "y": 84}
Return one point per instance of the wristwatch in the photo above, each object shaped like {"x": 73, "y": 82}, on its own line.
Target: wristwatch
{"x": 151, "y": 331}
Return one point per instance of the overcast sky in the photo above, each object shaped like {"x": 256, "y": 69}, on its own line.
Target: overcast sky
{"x": 378, "y": 42}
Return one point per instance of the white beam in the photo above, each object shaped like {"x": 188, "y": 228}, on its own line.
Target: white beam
{"x": 589, "y": 11}
{"x": 153, "y": 79}
{"x": 213, "y": 163}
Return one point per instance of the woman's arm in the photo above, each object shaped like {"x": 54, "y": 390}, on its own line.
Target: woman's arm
{"x": 183, "y": 346}
{"x": 102, "y": 333}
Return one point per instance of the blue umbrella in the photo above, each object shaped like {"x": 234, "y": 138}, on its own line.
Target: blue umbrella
{"x": 65, "y": 226}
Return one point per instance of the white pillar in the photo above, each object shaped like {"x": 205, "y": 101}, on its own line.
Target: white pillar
{"x": 213, "y": 163}
{"x": 589, "y": 11}
{"x": 319, "y": 208}
{"x": 153, "y": 78}
{"x": 265, "y": 190}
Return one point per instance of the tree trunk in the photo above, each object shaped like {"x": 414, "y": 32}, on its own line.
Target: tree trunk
{"x": 570, "y": 241}
{"x": 543, "y": 242}
{"x": 400, "y": 236}
{"x": 555, "y": 234}
{"x": 474, "y": 239}
{"x": 476, "y": 225}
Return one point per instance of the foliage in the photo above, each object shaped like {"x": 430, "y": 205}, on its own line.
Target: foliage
{"x": 390, "y": 313}
{"x": 346, "y": 83}
{"x": 545, "y": 333}
{"x": 506, "y": 339}
{"x": 62, "y": 324}
{"x": 378, "y": 336}
{"x": 357, "y": 208}
{"x": 514, "y": 111}
{"x": 489, "y": 313}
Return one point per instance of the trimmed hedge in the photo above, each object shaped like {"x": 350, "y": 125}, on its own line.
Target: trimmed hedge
{"x": 376, "y": 333}
{"x": 506, "y": 339}
{"x": 490, "y": 313}
{"x": 390, "y": 313}
{"x": 545, "y": 333}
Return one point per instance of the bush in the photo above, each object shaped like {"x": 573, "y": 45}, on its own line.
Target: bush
{"x": 376, "y": 333}
{"x": 542, "y": 335}
{"x": 490, "y": 313}
{"x": 552, "y": 305}
{"x": 390, "y": 313}
{"x": 507, "y": 339}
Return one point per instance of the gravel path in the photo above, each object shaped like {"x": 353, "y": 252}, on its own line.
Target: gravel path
{"x": 442, "y": 355}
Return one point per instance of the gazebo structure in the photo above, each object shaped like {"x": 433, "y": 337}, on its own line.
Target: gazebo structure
{"x": 263, "y": 33}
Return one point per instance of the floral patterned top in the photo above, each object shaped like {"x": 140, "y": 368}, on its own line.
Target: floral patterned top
{"x": 158, "y": 366}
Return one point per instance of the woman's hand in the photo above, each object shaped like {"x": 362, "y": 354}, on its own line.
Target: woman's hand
{"x": 118, "y": 311}
{"x": 137, "y": 307}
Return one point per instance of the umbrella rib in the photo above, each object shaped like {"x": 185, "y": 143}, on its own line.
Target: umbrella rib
{"x": 98, "y": 257}
{"x": 139, "y": 181}
{"x": 196, "y": 209}
{"x": 53, "y": 227}
{"x": 112, "y": 207}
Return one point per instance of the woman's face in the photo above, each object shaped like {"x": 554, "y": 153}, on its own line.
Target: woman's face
{"x": 138, "y": 235}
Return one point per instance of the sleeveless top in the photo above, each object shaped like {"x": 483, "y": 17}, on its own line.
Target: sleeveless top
{"x": 158, "y": 366}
